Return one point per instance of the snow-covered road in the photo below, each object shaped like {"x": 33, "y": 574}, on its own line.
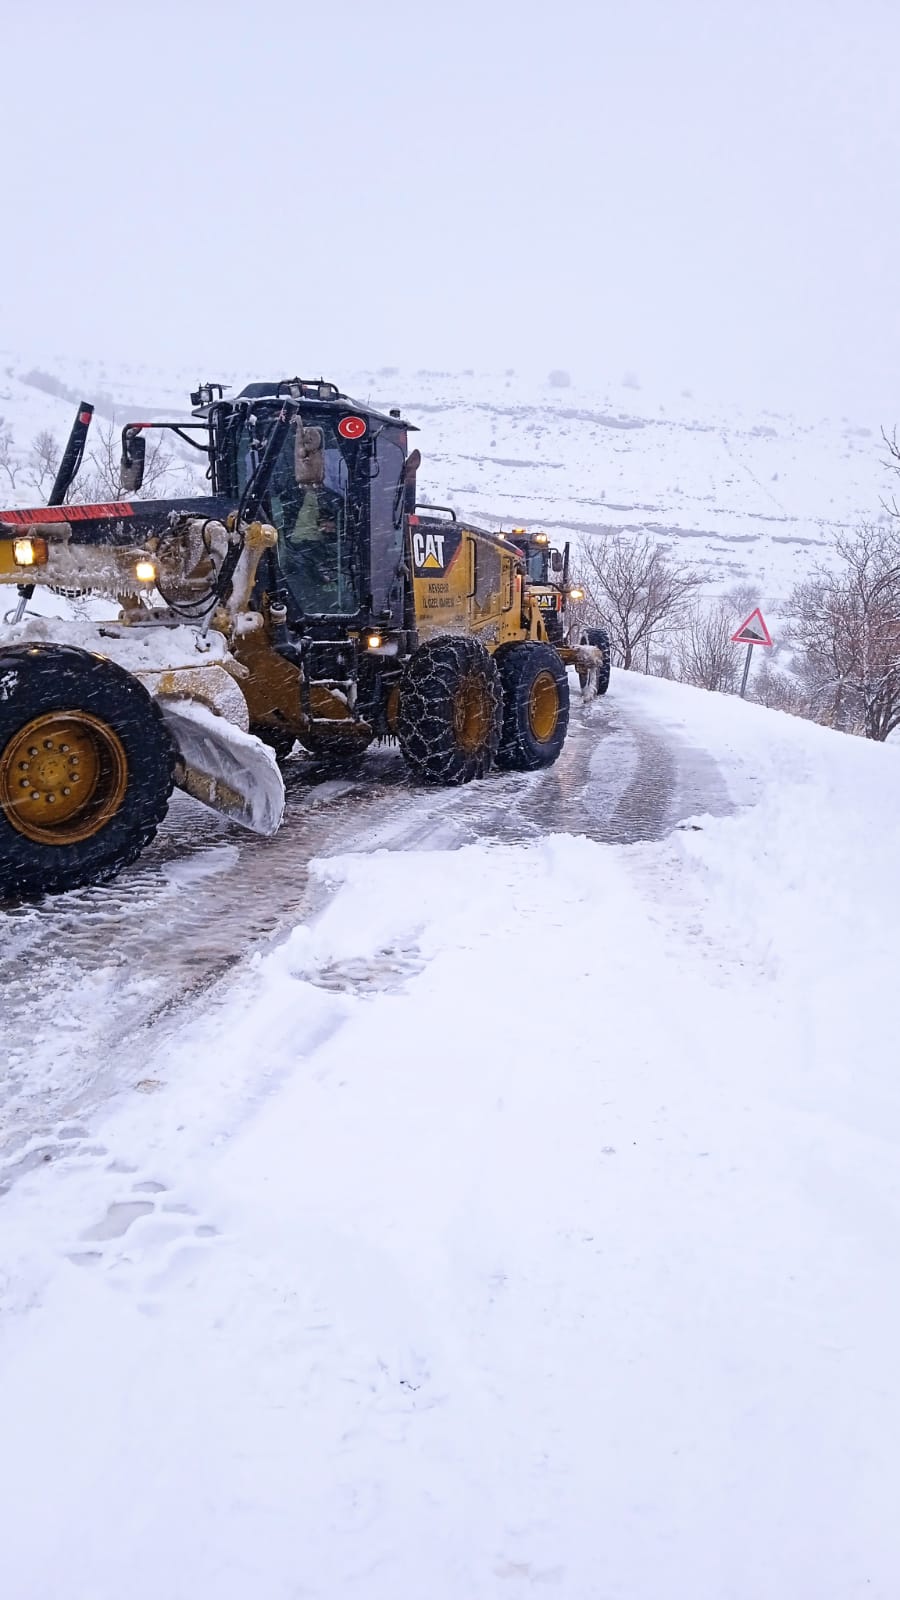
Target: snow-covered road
{"x": 521, "y": 1221}
{"x": 92, "y": 980}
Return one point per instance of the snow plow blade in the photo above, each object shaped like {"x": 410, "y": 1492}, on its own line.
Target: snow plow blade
{"x": 227, "y": 769}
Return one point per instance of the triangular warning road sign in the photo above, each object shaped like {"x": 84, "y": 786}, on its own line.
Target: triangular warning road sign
{"x": 753, "y": 631}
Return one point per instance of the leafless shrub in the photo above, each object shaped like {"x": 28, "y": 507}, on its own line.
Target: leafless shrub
{"x": 846, "y": 626}
{"x": 706, "y": 655}
{"x": 780, "y": 691}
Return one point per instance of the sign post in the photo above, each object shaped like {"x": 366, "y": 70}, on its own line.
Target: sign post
{"x": 751, "y": 632}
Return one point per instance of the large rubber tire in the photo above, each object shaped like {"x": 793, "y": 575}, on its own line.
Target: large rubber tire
{"x": 451, "y": 711}
{"x": 92, "y": 719}
{"x": 535, "y": 706}
{"x": 599, "y": 638}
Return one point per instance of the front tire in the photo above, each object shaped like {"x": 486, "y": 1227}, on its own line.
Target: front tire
{"x": 451, "y": 707}
{"x": 86, "y": 769}
{"x": 535, "y": 706}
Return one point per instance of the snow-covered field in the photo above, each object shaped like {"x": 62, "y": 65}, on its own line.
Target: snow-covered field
{"x": 746, "y": 497}
{"x": 524, "y": 1223}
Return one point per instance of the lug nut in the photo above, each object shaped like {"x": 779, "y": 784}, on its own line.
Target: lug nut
{"x": 34, "y": 750}
{"x": 48, "y": 744}
{"x": 24, "y": 783}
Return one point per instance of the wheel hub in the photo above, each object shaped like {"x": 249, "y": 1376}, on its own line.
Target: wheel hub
{"x": 471, "y": 714}
{"x": 543, "y": 706}
{"x": 62, "y": 777}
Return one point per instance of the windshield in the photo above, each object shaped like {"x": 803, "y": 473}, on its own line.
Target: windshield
{"x": 309, "y": 504}
{"x": 538, "y": 565}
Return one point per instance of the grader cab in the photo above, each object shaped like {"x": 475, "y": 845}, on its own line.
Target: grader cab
{"x": 307, "y": 597}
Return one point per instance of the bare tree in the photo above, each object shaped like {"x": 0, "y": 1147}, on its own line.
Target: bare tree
{"x": 42, "y": 463}
{"x": 743, "y": 598}
{"x": 846, "y": 623}
{"x": 705, "y": 652}
{"x": 893, "y": 446}
{"x": 100, "y": 479}
{"x": 638, "y": 592}
{"x": 10, "y": 464}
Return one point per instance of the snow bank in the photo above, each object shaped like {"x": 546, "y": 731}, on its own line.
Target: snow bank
{"x": 525, "y": 1223}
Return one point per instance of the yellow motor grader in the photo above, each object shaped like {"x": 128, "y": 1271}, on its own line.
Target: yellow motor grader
{"x": 306, "y": 598}
{"x": 547, "y": 578}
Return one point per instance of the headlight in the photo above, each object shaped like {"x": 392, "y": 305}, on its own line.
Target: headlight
{"x": 145, "y": 571}
{"x": 576, "y": 593}
{"x": 29, "y": 552}
{"x": 374, "y": 641}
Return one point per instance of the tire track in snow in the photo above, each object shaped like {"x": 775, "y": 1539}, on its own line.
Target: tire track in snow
{"x": 94, "y": 979}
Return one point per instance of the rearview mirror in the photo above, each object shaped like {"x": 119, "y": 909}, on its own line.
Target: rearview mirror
{"x": 556, "y": 561}
{"x": 131, "y": 467}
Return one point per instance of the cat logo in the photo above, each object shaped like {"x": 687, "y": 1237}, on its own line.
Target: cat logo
{"x": 428, "y": 551}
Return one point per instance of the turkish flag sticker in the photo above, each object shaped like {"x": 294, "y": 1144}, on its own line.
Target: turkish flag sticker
{"x": 352, "y": 427}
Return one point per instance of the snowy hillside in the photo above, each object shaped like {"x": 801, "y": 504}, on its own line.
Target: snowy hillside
{"x": 746, "y": 498}
{"x": 524, "y": 1223}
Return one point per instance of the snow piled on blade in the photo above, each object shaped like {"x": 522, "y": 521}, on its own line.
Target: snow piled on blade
{"x": 524, "y": 1223}
{"x": 226, "y": 768}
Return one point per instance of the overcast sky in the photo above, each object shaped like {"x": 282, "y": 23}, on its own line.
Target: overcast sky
{"x": 703, "y": 192}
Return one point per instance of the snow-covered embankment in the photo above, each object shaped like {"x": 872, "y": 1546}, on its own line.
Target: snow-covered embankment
{"x": 526, "y": 1222}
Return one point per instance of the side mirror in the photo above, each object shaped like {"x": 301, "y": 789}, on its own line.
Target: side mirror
{"x": 413, "y": 463}
{"x": 134, "y": 455}
{"x": 556, "y": 561}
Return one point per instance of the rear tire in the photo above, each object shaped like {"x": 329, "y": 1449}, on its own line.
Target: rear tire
{"x": 86, "y": 769}
{"x": 451, "y": 710}
{"x": 535, "y": 706}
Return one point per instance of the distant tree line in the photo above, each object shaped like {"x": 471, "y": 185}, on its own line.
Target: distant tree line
{"x": 842, "y": 624}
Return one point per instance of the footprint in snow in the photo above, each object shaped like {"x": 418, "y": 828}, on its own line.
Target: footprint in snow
{"x": 146, "y": 1239}
{"x": 382, "y": 973}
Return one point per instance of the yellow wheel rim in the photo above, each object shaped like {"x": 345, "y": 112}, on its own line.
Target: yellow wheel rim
{"x": 472, "y": 714}
{"x": 543, "y": 707}
{"x": 62, "y": 777}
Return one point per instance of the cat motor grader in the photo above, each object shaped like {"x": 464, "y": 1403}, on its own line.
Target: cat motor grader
{"x": 547, "y": 577}
{"x": 305, "y": 598}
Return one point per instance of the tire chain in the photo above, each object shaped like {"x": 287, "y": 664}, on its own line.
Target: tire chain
{"x": 425, "y": 726}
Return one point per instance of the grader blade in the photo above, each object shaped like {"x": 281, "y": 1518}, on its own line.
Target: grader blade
{"x": 227, "y": 769}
